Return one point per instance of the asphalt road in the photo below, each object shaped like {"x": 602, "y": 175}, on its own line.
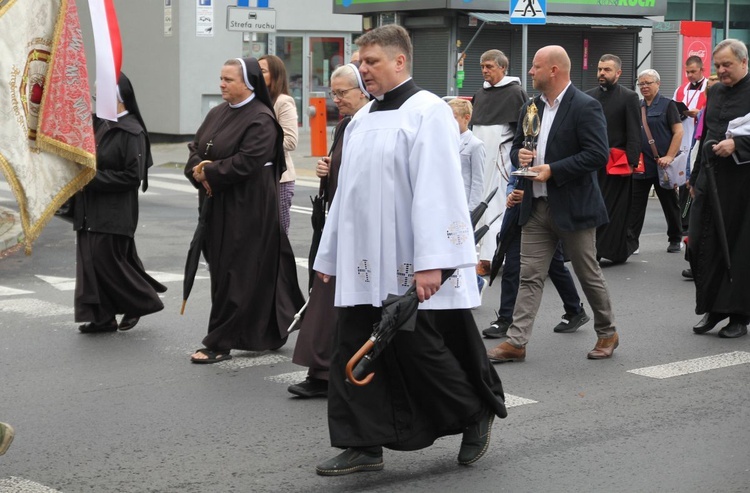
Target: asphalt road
{"x": 128, "y": 412}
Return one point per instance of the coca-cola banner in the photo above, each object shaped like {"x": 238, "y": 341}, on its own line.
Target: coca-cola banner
{"x": 696, "y": 41}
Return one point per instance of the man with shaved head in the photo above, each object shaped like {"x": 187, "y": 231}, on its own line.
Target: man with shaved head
{"x": 561, "y": 202}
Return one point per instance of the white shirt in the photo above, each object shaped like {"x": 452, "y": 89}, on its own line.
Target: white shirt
{"x": 550, "y": 110}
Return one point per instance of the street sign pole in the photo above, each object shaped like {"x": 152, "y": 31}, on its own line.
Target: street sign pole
{"x": 527, "y": 12}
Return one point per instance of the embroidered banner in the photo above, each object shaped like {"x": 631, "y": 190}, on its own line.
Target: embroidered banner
{"x": 47, "y": 149}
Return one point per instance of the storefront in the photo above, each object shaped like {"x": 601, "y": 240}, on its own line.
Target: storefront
{"x": 173, "y": 51}
{"x": 444, "y": 30}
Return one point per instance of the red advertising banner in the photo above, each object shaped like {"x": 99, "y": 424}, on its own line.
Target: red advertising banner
{"x": 696, "y": 41}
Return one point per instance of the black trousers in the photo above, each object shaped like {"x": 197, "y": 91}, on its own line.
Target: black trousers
{"x": 669, "y": 205}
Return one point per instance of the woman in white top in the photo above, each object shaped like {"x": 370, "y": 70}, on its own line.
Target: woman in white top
{"x": 274, "y": 74}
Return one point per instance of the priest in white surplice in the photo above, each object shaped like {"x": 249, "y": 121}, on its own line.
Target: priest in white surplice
{"x": 496, "y": 108}
{"x": 399, "y": 217}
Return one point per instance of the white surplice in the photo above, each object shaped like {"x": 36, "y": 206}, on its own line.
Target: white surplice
{"x": 400, "y": 207}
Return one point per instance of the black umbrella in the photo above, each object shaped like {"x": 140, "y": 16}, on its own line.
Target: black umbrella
{"x": 713, "y": 195}
{"x": 398, "y": 313}
{"x": 478, "y": 211}
{"x": 194, "y": 252}
{"x": 318, "y": 220}
{"x": 509, "y": 232}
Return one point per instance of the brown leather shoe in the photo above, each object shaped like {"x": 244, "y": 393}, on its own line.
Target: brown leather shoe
{"x": 604, "y": 348}
{"x": 505, "y": 351}
{"x": 483, "y": 268}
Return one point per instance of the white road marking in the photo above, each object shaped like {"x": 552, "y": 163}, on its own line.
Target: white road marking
{"x": 289, "y": 378}
{"x": 69, "y": 283}
{"x": 6, "y": 291}
{"x": 169, "y": 176}
{"x": 20, "y": 485}
{"x": 301, "y": 261}
{"x": 303, "y": 182}
{"x": 169, "y": 277}
{"x": 514, "y": 401}
{"x": 60, "y": 283}
{"x": 34, "y": 308}
{"x": 301, "y": 210}
{"x": 696, "y": 365}
{"x": 177, "y": 187}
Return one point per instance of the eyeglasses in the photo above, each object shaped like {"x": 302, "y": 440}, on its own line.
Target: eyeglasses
{"x": 644, "y": 84}
{"x": 340, "y": 94}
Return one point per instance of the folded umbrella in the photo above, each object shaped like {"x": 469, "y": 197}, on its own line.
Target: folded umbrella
{"x": 713, "y": 196}
{"x": 196, "y": 247}
{"x": 318, "y": 220}
{"x": 398, "y": 313}
{"x": 509, "y": 232}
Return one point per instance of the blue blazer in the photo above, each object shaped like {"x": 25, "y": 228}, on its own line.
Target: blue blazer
{"x": 577, "y": 147}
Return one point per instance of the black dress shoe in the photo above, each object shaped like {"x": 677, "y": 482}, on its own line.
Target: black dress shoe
{"x": 733, "y": 329}
{"x": 687, "y": 273}
{"x": 128, "y": 322}
{"x": 353, "y": 459}
{"x": 92, "y": 328}
{"x": 311, "y": 387}
{"x": 708, "y": 322}
{"x": 476, "y": 440}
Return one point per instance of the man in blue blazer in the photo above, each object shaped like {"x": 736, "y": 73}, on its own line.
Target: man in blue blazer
{"x": 562, "y": 202}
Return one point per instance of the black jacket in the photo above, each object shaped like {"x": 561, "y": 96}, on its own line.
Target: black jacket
{"x": 109, "y": 202}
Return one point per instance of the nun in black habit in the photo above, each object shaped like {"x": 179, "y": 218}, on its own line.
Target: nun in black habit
{"x": 254, "y": 290}
{"x": 110, "y": 278}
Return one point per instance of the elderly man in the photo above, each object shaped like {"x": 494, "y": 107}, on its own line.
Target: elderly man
{"x": 723, "y": 293}
{"x": 494, "y": 120}
{"x": 400, "y": 217}
{"x": 562, "y": 202}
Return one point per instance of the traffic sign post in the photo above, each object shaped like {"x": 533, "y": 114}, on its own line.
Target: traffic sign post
{"x": 528, "y": 11}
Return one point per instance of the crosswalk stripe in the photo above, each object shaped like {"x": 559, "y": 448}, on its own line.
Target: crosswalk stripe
{"x": 302, "y": 182}
{"x": 21, "y": 485}
{"x": 696, "y": 365}
{"x": 302, "y": 262}
{"x": 6, "y": 291}
{"x": 59, "y": 283}
{"x": 515, "y": 401}
{"x": 289, "y": 378}
{"x": 177, "y": 187}
{"x": 34, "y": 308}
{"x": 302, "y": 210}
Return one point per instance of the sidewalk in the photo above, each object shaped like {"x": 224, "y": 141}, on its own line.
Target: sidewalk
{"x": 11, "y": 233}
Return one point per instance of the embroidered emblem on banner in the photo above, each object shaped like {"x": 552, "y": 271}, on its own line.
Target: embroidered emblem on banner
{"x": 363, "y": 270}
{"x": 405, "y": 275}
{"x": 458, "y": 233}
{"x": 32, "y": 84}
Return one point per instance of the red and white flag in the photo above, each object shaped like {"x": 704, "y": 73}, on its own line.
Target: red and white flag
{"x": 47, "y": 149}
{"x": 108, "y": 47}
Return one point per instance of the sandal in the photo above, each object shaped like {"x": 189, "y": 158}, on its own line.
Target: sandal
{"x": 212, "y": 357}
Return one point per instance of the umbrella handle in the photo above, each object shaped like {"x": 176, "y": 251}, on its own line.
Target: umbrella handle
{"x": 366, "y": 347}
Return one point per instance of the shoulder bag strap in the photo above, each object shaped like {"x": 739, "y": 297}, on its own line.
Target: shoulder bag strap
{"x": 650, "y": 137}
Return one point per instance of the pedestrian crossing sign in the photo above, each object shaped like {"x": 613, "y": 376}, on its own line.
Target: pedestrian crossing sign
{"x": 528, "y": 11}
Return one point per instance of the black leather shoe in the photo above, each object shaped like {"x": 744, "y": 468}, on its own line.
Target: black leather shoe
{"x": 128, "y": 322}
{"x": 708, "y": 322}
{"x": 687, "y": 273}
{"x": 733, "y": 329}
{"x": 352, "y": 460}
{"x": 92, "y": 328}
{"x": 311, "y": 387}
{"x": 476, "y": 440}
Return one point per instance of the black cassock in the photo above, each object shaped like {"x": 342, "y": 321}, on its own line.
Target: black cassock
{"x": 110, "y": 278}
{"x": 714, "y": 291}
{"x": 254, "y": 291}
{"x": 622, "y": 111}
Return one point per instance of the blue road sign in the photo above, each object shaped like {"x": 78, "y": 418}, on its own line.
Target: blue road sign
{"x": 528, "y": 11}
